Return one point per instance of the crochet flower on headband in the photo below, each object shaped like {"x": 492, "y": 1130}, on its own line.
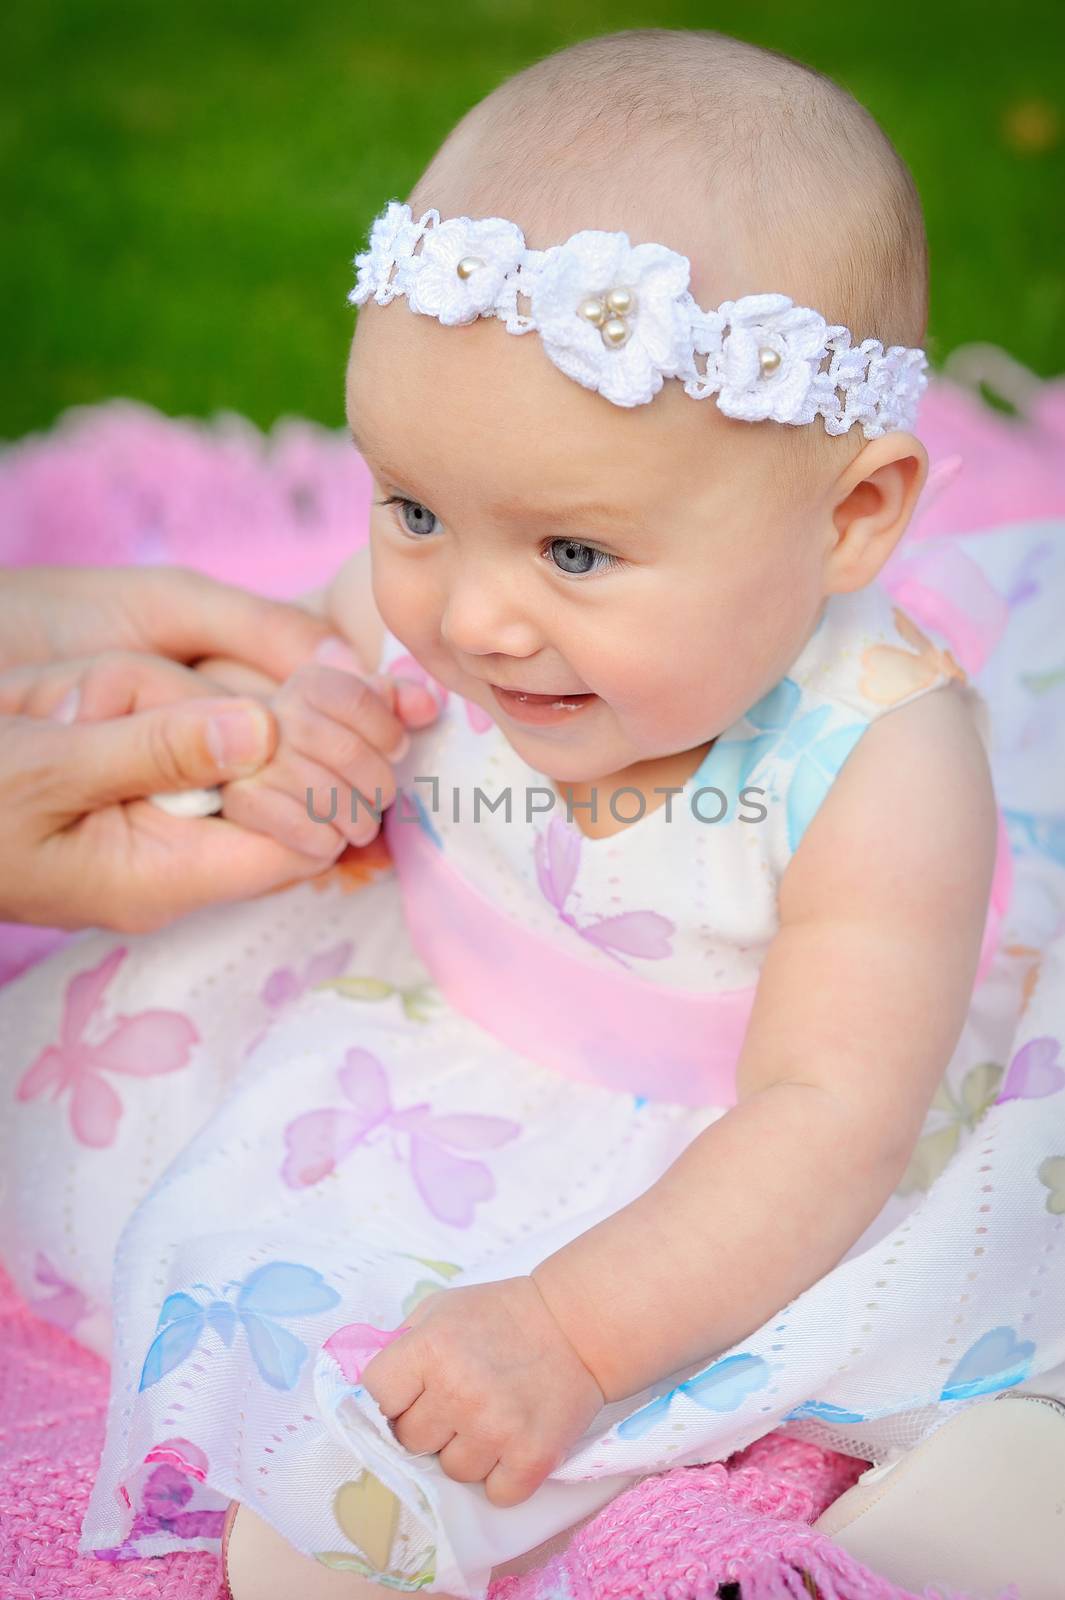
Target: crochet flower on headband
{"x": 620, "y": 319}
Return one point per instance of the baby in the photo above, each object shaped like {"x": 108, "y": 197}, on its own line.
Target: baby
{"x": 608, "y": 1156}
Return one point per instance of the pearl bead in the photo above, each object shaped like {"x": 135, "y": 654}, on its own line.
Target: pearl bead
{"x": 615, "y": 332}
{"x": 468, "y": 266}
{"x": 769, "y": 360}
{"x": 592, "y": 310}
{"x": 621, "y": 301}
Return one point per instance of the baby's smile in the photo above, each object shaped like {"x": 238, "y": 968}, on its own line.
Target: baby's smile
{"x": 542, "y": 710}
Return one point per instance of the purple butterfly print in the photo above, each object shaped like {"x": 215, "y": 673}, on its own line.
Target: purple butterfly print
{"x": 1034, "y": 1071}
{"x": 557, "y": 852}
{"x": 1025, "y": 587}
{"x": 142, "y": 1046}
{"x": 450, "y": 1184}
{"x": 166, "y": 1494}
{"x": 284, "y": 985}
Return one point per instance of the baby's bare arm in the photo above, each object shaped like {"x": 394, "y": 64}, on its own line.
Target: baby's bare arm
{"x": 859, "y": 1007}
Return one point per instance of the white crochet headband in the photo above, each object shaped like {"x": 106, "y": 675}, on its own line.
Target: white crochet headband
{"x": 619, "y": 318}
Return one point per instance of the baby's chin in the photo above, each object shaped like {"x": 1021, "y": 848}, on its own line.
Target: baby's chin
{"x": 556, "y": 761}
{"x": 563, "y": 755}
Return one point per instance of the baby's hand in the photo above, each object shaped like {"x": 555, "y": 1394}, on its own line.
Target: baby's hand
{"x": 340, "y": 732}
{"x": 485, "y": 1376}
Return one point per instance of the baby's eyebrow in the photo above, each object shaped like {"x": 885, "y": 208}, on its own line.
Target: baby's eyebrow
{"x": 357, "y": 439}
{"x": 383, "y": 468}
{"x": 520, "y": 510}
{"x": 580, "y": 510}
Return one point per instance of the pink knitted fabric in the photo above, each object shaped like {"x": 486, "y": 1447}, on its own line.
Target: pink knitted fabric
{"x": 121, "y": 483}
{"x": 739, "y": 1530}
{"x": 675, "y": 1537}
{"x": 53, "y": 1401}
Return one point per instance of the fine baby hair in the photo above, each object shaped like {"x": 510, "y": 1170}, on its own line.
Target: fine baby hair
{"x": 801, "y": 223}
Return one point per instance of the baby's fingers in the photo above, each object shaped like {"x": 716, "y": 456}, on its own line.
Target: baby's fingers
{"x": 300, "y": 805}
{"x": 363, "y": 780}
{"x": 348, "y": 700}
{"x": 414, "y": 703}
{"x": 518, "y": 1475}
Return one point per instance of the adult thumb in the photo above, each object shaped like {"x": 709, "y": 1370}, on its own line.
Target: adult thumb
{"x": 190, "y": 744}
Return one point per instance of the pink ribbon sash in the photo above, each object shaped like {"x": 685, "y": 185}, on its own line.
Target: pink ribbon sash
{"x": 610, "y": 1028}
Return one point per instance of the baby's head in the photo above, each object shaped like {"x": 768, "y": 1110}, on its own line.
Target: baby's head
{"x": 666, "y": 557}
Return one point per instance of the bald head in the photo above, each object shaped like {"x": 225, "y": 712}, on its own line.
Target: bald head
{"x": 769, "y": 176}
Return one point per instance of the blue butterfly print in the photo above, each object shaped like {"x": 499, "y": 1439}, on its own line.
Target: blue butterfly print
{"x": 421, "y": 815}
{"x": 997, "y": 1360}
{"x": 818, "y": 757}
{"x": 278, "y": 1289}
{"x": 1030, "y": 833}
{"x": 822, "y": 1411}
{"x": 722, "y": 1387}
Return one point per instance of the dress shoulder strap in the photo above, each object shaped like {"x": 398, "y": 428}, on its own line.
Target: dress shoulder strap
{"x": 869, "y": 655}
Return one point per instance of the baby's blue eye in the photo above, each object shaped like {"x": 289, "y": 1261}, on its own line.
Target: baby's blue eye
{"x": 414, "y": 517}
{"x": 573, "y": 550}
{"x": 576, "y": 559}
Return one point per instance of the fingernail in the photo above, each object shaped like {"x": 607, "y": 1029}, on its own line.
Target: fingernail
{"x": 420, "y": 712}
{"x": 426, "y": 686}
{"x": 239, "y": 738}
{"x": 67, "y": 709}
{"x": 336, "y": 652}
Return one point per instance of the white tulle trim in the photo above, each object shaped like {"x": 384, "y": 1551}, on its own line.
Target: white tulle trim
{"x": 761, "y": 356}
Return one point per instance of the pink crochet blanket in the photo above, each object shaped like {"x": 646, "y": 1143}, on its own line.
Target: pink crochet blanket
{"x": 121, "y": 483}
{"x": 692, "y": 1534}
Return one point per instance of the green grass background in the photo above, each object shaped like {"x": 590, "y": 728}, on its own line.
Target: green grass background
{"x": 185, "y": 182}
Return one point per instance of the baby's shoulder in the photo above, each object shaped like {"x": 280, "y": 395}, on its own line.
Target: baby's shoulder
{"x": 912, "y": 808}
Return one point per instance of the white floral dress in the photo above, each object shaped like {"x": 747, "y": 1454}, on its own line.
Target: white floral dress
{"x": 244, "y": 1147}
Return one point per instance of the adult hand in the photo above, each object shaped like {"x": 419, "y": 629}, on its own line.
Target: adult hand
{"x": 54, "y": 613}
{"x": 340, "y": 732}
{"x": 78, "y": 847}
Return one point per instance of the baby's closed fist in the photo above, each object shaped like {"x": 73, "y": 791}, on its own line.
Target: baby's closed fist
{"x": 332, "y": 773}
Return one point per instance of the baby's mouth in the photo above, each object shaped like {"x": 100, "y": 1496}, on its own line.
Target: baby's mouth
{"x": 526, "y": 706}
{"x": 527, "y": 698}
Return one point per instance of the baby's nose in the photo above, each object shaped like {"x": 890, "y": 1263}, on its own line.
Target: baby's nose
{"x": 486, "y": 614}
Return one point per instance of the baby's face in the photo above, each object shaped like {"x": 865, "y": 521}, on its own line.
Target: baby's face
{"x": 545, "y": 539}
